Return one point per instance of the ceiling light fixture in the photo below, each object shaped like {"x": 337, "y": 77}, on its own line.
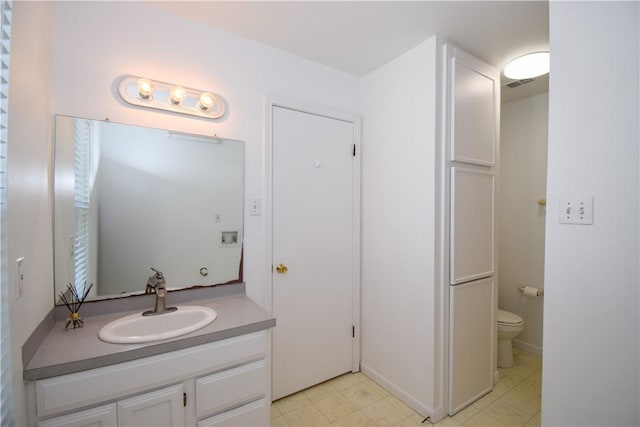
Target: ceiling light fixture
{"x": 528, "y": 66}
{"x": 159, "y": 95}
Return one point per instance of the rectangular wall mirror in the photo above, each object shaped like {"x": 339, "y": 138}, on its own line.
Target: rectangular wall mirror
{"x": 129, "y": 198}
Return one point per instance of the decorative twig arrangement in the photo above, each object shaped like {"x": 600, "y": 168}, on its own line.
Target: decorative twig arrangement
{"x": 74, "y": 304}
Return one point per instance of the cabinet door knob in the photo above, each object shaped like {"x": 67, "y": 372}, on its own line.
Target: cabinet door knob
{"x": 281, "y": 268}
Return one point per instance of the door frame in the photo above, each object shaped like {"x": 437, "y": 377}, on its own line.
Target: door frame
{"x": 355, "y": 119}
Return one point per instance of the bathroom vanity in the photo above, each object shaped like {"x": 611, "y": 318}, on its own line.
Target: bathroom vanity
{"x": 216, "y": 376}
{"x": 182, "y": 373}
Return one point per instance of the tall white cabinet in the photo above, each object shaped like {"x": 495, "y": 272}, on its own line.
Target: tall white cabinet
{"x": 472, "y": 112}
{"x": 429, "y": 169}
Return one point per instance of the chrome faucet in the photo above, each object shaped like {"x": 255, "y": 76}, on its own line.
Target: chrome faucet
{"x": 157, "y": 284}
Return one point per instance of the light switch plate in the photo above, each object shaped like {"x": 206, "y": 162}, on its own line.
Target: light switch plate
{"x": 19, "y": 277}
{"x": 576, "y": 210}
{"x": 254, "y": 207}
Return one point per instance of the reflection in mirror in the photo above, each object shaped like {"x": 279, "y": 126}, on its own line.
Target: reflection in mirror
{"x": 129, "y": 198}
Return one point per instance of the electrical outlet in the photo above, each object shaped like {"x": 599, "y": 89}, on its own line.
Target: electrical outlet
{"x": 576, "y": 210}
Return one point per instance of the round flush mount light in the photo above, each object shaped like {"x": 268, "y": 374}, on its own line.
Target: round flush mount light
{"x": 528, "y": 66}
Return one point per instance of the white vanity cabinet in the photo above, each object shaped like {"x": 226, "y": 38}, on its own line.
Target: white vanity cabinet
{"x": 224, "y": 383}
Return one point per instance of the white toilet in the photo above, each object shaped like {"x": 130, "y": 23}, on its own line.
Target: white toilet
{"x": 509, "y": 326}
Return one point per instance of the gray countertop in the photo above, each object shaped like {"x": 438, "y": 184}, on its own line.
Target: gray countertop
{"x": 64, "y": 351}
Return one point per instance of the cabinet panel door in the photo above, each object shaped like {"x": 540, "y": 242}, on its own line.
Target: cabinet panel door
{"x": 474, "y": 110}
{"x": 472, "y": 336}
{"x": 472, "y": 224}
{"x": 231, "y": 388}
{"x": 252, "y": 414}
{"x": 103, "y": 416}
{"x": 159, "y": 408}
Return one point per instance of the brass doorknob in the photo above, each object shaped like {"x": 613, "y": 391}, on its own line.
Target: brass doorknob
{"x": 281, "y": 268}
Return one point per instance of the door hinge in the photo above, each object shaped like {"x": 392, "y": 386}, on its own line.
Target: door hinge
{"x": 353, "y": 331}
{"x": 184, "y": 399}
{"x": 354, "y": 150}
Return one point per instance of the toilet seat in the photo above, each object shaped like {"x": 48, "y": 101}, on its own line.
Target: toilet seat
{"x": 508, "y": 318}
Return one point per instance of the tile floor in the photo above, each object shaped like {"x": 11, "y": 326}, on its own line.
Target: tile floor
{"x": 355, "y": 400}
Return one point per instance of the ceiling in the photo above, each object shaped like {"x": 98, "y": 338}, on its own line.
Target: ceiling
{"x": 359, "y": 36}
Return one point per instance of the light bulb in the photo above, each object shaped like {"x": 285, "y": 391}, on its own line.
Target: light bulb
{"x": 528, "y": 66}
{"x": 206, "y": 101}
{"x": 177, "y": 94}
{"x": 145, "y": 88}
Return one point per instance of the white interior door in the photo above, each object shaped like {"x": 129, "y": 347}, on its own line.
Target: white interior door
{"x": 312, "y": 202}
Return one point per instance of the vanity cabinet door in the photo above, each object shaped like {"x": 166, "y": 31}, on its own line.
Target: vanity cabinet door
{"x": 252, "y": 414}
{"x": 230, "y": 388}
{"x": 103, "y": 416}
{"x": 159, "y": 408}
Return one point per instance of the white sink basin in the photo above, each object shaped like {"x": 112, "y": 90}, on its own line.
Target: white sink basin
{"x": 137, "y": 328}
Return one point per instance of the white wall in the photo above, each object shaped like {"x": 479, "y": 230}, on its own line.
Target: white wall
{"x": 591, "y": 323}
{"x": 28, "y": 202}
{"x": 523, "y": 181}
{"x": 398, "y": 226}
{"x": 96, "y": 42}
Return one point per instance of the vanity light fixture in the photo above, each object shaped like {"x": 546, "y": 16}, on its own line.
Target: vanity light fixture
{"x": 159, "y": 95}
{"x": 528, "y": 66}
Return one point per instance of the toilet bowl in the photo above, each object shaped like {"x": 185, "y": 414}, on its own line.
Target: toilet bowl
{"x": 509, "y": 326}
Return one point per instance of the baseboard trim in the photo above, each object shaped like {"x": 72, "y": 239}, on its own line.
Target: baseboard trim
{"x": 407, "y": 399}
{"x": 525, "y": 346}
